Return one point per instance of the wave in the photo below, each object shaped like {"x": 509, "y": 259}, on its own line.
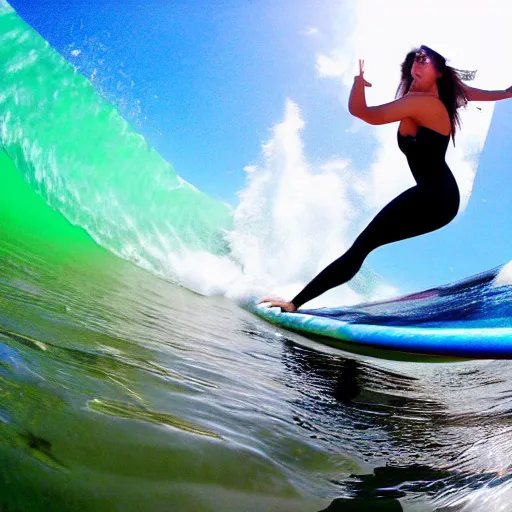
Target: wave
{"x": 75, "y": 150}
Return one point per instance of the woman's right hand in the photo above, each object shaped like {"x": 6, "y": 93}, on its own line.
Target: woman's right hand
{"x": 360, "y": 78}
{"x": 289, "y": 307}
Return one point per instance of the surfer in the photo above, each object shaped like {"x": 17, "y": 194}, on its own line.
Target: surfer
{"x": 428, "y": 98}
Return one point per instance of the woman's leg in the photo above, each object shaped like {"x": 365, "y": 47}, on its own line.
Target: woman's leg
{"x": 414, "y": 212}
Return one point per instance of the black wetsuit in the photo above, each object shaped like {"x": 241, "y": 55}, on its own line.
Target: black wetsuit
{"x": 428, "y": 206}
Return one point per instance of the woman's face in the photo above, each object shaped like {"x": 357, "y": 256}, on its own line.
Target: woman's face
{"x": 424, "y": 71}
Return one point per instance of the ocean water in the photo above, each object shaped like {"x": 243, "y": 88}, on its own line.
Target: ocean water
{"x": 131, "y": 380}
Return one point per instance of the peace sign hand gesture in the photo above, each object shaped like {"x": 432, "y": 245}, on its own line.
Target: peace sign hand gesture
{"x": 360, "y": 78}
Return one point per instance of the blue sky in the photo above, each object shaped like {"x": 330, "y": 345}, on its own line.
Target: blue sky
{"x": 209, "y": 78}
{"x": 205, "y": 82}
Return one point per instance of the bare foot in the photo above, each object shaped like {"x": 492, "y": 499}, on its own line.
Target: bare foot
{"x": 289, "y": 307}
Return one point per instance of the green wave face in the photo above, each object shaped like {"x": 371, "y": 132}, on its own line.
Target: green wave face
{"x": 76, "y": 151}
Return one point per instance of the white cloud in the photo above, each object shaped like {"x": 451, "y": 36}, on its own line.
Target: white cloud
{"x": 333, "y": 65}
{"x": 312, "y": 31}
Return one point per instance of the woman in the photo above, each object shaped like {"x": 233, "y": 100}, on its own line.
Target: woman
{"x": 429, "y": 95}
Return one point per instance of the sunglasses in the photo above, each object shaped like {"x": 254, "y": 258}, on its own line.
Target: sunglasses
{"x": 422, "y": 57}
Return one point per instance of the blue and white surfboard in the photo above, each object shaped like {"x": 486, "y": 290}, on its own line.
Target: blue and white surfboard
{"x": 467, "y": 319}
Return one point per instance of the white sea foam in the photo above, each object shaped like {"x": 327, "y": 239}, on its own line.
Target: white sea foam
{"x": 504, "y": 278}
{"x": 295, "y": 217}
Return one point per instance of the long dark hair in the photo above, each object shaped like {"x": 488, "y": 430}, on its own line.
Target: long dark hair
{"x": 450, "y": 86}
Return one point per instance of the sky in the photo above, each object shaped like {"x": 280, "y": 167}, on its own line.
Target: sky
{"x": 215, "y": 86}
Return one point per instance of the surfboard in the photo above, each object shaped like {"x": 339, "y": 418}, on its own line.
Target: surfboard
{"x": 471, "y": 319}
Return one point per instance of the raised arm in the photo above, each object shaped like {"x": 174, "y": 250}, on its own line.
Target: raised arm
{"x": 418, "y": 107}
{"x": 474, "y": 94}
{"x": 408, "y": 106}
